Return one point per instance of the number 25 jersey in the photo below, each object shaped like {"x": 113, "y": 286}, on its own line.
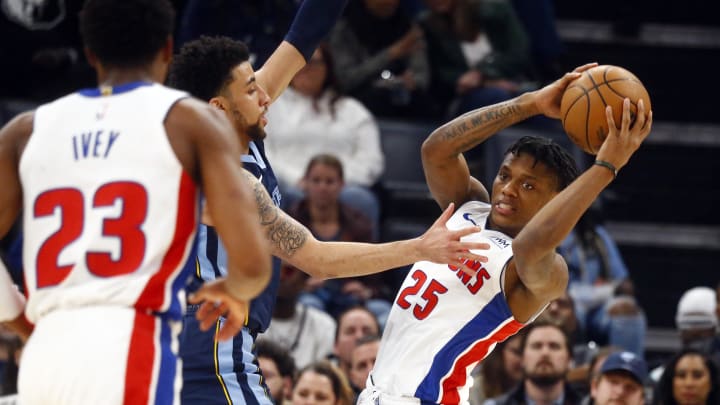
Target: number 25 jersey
{"x": 109, "y": 213}
{"x": 444, "y": 322}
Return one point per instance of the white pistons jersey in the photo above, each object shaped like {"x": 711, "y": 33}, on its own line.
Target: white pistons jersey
{"x": 443, "y": 322}
{"x": 109, "y": 213}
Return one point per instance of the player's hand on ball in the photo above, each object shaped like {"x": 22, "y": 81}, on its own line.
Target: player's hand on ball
{"x": 624, "y": 140}
{"x": 215, "y": 301}
{"x": 548, "y": 98}
{"x": 441, "y": 245}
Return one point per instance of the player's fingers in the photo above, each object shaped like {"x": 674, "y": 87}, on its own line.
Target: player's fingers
{"x": 456, "y": 235}
{"x": 465, "y": 246}
{"x": 641, "y": 116}
{"x": 648, "y": 125}
{"x": 626, "y": 116}
{"x": 475, "y": 257}
{"x": 612, "y": 128}
{"x": 585, "y": 67}
{"x": 445, "y": 215}
{"x": 230, "y": 328}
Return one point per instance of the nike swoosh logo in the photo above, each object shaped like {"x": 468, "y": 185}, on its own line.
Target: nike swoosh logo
{"x": 466, "y": 216}
{"x": 260, "y": 178}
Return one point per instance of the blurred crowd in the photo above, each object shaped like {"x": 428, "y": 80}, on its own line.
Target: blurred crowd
{"x": 394, "y": 59}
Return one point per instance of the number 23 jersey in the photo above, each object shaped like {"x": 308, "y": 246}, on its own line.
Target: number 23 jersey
{"x": 444, "y": 322}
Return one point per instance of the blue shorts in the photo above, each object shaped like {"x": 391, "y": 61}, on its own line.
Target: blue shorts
{"x": 219, "y": 373}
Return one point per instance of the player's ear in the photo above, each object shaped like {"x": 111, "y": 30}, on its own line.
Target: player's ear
{"x": 217, "y": 102}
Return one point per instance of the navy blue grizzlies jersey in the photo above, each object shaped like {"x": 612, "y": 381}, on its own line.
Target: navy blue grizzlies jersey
{"x": 227, "y": 372}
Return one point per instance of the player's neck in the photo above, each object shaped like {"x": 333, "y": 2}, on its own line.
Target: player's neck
{"x": 245, "y": 144}
{"x": 117, "y": 77}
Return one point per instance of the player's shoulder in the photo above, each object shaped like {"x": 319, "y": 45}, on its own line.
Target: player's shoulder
{"x": 18, "y": 130}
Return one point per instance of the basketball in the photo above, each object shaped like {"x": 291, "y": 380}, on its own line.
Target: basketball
{"x": 582, "y": 109}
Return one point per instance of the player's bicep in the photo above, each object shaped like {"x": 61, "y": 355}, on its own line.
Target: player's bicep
{"x": 279, "y": 69}
{"x": 452, "y": 182}
{"x": 286, "y": 235}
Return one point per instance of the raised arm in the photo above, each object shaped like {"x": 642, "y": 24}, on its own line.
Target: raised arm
{"x": 542, "y": 272}
{"x": 446, "y": 170}
{"x": 292, "y": 242}
{"x": 215, "y": 163}
{"x": 312, "y": 23}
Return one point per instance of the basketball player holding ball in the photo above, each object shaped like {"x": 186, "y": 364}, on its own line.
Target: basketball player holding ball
{"x": 444, "y": 322}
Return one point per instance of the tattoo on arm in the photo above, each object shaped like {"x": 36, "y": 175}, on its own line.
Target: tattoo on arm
{"x": 284, "y": 233}
{"x": 475, "y": 126}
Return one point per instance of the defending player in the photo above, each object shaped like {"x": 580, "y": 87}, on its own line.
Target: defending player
{"x": 108, "y": 182}
{"x": 444, "y": 322}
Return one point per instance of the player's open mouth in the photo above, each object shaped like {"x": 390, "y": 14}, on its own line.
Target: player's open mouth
{"x": 504, "y": 208}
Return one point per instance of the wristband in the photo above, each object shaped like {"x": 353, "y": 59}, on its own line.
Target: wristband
{"x": 608, "y": 165}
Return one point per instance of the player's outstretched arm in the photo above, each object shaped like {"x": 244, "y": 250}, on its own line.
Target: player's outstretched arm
{"x": 541, "y": 271}
{"x": 217, "y": 166}
{"x": 294, "y": 243}
{"x": 313, "y": 21}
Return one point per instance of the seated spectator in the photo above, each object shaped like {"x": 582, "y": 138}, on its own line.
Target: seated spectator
{"x": 620, "y": 380}
{"x": 321, "y": 383}
{"x": 600, "y": 287}
{"x": 546, "y": 47}
{"x": 582, "y": 376}
{"x": 330, "y": 219}
{"x": 277, "y": 368}
{"x": 362, "y": 361}
{"x": 499, "y": 372}
{"x": 546, "y": 359}
{"x": 690, "y": 378}
{"x": 311, "y": 117}
{"x": 353, "y": 325}
{"x": 478, "y": 52}
{"x": 306, "y": 332}
{"x": 381, "y": 59}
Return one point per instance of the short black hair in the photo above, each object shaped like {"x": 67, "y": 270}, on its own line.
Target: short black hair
{"x": 554, "y": 156}
{"x": 273, "y": 351}
{"x": 126, "y": 33}
{"x": 204, "y": 66}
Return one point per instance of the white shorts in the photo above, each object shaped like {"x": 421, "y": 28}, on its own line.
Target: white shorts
{"x": 101, "y": 355}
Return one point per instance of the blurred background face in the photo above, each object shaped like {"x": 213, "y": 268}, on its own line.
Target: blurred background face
{"x": 272, "y": 377}
{"x": 691, "y": 384}
{"x": 323, "y": 185}
{"x": 353, "y": 325}
{"x": 545, "y": 358}
{"x": 363, "y": 360}
{"x": 313, "y": 389}
{"x": 512, "y": 358}
{"x": 311, "y": 78}
{"x": 382, "y": 8}
{"x": 440, "y": 6}
{"x": 561, "y": 312}
{"x": 617, "y": 388}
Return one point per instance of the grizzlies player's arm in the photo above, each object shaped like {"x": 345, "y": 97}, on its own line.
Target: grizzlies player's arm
{"x": 13, "y": 138}
{"x": 205, "y": 144}
{"x": 293, "y": 242}
{"x": 445, "y": 167}
{"x": 279, "y": 69}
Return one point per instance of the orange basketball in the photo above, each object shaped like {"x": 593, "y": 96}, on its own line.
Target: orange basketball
{"x": 582, "y": 109}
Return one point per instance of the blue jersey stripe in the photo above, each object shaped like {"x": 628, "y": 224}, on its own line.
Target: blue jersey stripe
{"x": 165, "y": 392}
{"x": 494, "y": 314}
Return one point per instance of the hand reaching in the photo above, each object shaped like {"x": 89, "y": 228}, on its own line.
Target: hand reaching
{"x": 548, "y": 98}
{"x": 442, "y": 245}
{"x": 216, "y": 302}
{"x": 622, "y": 142}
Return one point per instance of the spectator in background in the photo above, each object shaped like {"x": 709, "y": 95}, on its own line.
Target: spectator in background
{"x": 329, "y": 219}
{"x": 500, "y": 371}
{"x": 478, "y": 52}
{"x": 620, "y": 380}
{"x": 322, "y": 383}
{"x": 313, "y": 117}
{"x": 546, "y": 359}
{"x": 353, "y": 325}
{"x": 380, "y": 59}
{"x": 362, "y": 361}
{"x": 601, "y": 288}
{"x": 581, "y": 377}
{"x": 260, "y": 24}
{"x": 306, "y": 332}
{"x": 278, "y": 369}
{"x": 546, "y": 47}
{"x": 690, "y": 378}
